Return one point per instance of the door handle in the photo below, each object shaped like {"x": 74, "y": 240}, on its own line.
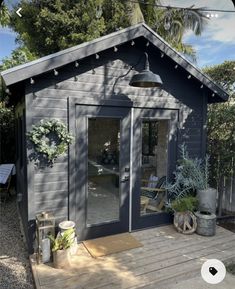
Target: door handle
{"x": 125, "y": 179}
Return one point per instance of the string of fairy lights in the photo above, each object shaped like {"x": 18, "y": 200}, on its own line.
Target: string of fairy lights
{"x": 115, "y": 49}
{"x": 208, "y": 11}
{"x": 196, "y": 12}
{"x": 203, "y": 11}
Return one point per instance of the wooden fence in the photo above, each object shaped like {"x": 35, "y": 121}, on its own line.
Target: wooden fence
{"x": 226, "y": 195}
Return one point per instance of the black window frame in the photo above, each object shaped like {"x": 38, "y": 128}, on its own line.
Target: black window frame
{"x": 152, "y": 139}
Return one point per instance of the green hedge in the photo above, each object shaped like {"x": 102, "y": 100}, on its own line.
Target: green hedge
{"x": 7, "y": 135}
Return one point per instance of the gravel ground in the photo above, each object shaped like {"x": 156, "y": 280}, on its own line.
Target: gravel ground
{"x": 228, "y": 224}
{"x": 15, "y": 270}
{"x": 231, "y": 269}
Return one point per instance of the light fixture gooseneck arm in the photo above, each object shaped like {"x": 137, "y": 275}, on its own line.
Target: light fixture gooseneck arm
{"x": 146, "y": 67}
{"x": 129, "y": 70}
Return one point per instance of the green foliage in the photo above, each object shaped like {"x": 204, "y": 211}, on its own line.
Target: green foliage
{"x": 4, "y": 14}
{"x": 7, "y": 134}
{"x": 223, "y": 74}
{"x": 49, "y": 26}
{"x": 114, "y": 15}
{"x": 18, "y": 56}
{"x": 180, "y": 21}
{"x": 190, "y": 175}
{"x": 50, "y": 138}
{"x": 184, "y": 204}
{"x": 134, "y": 13}
{"x": 221, "y": 124}
{"x": 62, "y": 241}
{"x": 7, "y": 119}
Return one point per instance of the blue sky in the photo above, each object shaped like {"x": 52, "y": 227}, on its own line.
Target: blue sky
{"x": 215, "y": 45}
{"x": 7, "y": 36}
{"x": 7, "y": 42}
{"x": 217, "y": 42}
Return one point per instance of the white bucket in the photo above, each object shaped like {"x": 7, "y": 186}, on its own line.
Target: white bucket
{"x": 66, "y": 225}
{"x": 69, "y": 225}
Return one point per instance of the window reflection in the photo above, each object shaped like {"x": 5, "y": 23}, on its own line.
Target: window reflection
{"x": 154, "y": 166}
{"x": 103, "y": 170}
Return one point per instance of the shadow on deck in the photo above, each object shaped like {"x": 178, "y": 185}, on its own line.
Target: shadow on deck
{"x": 167, "y": 257}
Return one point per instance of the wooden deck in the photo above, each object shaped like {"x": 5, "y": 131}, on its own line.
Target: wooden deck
{"x": 166, "y": 257}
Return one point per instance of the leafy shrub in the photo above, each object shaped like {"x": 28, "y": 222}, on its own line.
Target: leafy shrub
{"x": 190, "y": 175}
{"x": 62, "y": 241}
{"x": 185, "y": 204}
{"x": 7, "y": 134}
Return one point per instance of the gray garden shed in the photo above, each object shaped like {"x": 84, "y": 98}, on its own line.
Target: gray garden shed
{"x": 123, "y": 135}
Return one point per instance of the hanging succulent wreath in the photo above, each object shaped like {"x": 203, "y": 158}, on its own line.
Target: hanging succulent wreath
{"x": 50, "y": 138}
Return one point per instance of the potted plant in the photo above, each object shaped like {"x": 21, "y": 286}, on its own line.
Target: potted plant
{"x": 192, "y": 176}
{"x": 61, "y": 248}
{"x": 184, "y": 219}
{"x": 206, "y": 195}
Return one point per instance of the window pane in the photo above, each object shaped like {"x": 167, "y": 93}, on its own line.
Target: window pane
{"x": 154, "y": 166}
{"x": 103, "y": 170}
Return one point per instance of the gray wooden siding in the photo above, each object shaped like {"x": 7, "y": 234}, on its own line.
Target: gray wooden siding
{"x": 47, "y": 98}
{"x": 21, "y": 168}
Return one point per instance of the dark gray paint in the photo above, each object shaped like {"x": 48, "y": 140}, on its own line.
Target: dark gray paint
{"x": 99, "y": 45}
{"x": 21, "y": 175}
{"x": 53, "y": 188}
{"x": 79, "y": 168}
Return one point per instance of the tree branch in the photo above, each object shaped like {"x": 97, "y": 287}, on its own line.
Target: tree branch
{"x": 1, "y": 2}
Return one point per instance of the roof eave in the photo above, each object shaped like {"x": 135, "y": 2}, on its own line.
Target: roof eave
{"x": 59, "y": 59}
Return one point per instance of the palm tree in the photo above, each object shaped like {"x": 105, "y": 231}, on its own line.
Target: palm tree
{"x": 134, "y": 12}
{"x": 171, "y": 24}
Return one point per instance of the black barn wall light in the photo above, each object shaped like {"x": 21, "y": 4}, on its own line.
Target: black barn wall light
{"x": 146, "y": 78}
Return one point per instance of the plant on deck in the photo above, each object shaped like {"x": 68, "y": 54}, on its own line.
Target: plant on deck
{"x": 184, "y": 204}
{"x": 62, "y": 241}
{"x": 190, "y": 175}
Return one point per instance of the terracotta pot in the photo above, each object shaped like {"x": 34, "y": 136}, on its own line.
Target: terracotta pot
{"x": 207, "y": 200}
{"x": 62, "y": 259}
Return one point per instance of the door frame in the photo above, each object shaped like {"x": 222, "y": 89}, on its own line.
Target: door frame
{"x": 171, "y": 115}
{"x": 78, "y": 199}
{"x": 140, "y": 104}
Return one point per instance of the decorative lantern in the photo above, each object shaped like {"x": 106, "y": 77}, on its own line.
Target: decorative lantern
{"x": 45, "y": 225}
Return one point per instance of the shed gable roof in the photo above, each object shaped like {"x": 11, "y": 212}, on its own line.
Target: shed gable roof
{"x": 22, "y": 72}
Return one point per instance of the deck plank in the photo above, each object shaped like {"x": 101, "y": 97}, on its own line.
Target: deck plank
{"x": 165, "y": 254}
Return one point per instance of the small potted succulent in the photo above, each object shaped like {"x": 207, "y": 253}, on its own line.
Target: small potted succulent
{"x": 184, "y": 219}
{"x": 61, "y": 248}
